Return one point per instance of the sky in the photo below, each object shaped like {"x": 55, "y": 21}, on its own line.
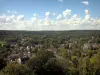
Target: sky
{"x": 37, "y": 15}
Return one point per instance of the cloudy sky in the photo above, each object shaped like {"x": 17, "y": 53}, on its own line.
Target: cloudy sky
{"x": 49, "y": 15}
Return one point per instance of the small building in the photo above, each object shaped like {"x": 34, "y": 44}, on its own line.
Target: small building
{"x": 54, "y": 50}
{"x": 86, "y": 46}
{"x": 15, "y": 58}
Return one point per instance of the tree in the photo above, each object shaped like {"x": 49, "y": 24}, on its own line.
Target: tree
{"x": 95, "y": 61}
{"x": 15, "y": 69}
{"x": 63, "y": 52}
{"x": 37, "y": 63}
{"x": 2, "y": 63}
{"x": 44, "y": 55}
{"x": 53, "y": 67}
{"x": 84, "y": 66}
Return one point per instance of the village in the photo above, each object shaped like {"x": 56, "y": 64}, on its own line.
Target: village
{"x": 53, "y": 53}
{"x": 23, "y": 50}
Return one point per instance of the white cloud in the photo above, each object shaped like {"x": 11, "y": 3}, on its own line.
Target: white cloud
{"x": 87, "y": 12}
{"x": 14, "y": 22}
{"x": 85, "y": 2}
{"x": 8, "y": 11}
{"x": 60, "y": 0}
{"x": 59, "y": 17}
{"x": 3, "y": 18}
{"x": 46, "y": 23}
{"x": 87, "y": 16}
{"x": 54, "y": 14}
{"x": 11, "y": 12}
{"x": 35, "y": 15}
{"x": 15, "y": 12}
{"x": 47, "y": 14}
{"x": 11, "y": 18}
{"x": 66, "y": 12}
{"x": 33, "y": 19}
{"x": 20, "y": 17}
{"x": 75, "y": 17}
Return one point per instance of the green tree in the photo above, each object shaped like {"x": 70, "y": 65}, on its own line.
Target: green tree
{"x": 63, "y": 52}
{"x": 15, "y": 69}
{"x": 95, "y": 60}
{"x": 37, "y": 63}
{"x": 54, "y": 67}
{"x": 2, "y": 63}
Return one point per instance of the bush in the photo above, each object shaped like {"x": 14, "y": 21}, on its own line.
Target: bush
{"x": 15, "y": 69}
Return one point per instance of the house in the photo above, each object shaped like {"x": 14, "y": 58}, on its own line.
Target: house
{"x": 38, "y": 46}
{"x": 62, "y": 45}
{"x": 86, "y": 46}
{"x": 54, "y": 50}
{"x": 15, "y": 58}
{"x": 94, "y": 46}
{"x": 24, "y": 58}
{"x": 91, "y": 46}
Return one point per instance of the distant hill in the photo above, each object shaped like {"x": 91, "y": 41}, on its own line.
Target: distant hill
{"x": 51, "y": 33}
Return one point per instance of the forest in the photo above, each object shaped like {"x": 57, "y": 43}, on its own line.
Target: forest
{"x": 75, "y": 52}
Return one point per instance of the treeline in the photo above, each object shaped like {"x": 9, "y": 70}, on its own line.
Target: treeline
{"x": 49, "y": 33}
{"x": 46, "y": 63}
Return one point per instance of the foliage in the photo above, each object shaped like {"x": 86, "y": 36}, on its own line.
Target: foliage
{"x": 69, "y": 58}
{"x": 15, "y": 69}
{"x": 63, "y": 52}
{"x": 54, "y": 67}
{"x": 93, "y": 60}
{"x": 2, "y": 63}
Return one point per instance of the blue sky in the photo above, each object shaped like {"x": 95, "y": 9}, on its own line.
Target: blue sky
{"x": 28, "y": 8}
